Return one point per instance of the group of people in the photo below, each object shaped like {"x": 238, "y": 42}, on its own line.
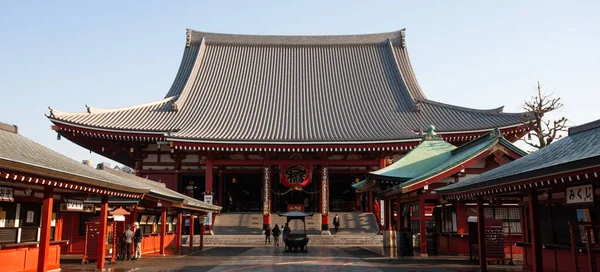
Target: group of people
{"x": 276, "y": 231}
{"x": 135, "y": 237}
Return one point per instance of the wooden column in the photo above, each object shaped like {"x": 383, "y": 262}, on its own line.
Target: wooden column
{"x": 134, "y": 218}
{"x": 481, "y": 234}
{"x": 266, "y": 200}
{"x": 191, "y": 232}
{"x": 208, "y": 180}
{"x": 220, "y": 201}
{"x": 102, "y": 236}
{"x": 325, "y": 201}
{"x": 179, "y": 229}
{"x": 59, "y": 226}
{"x": 163, "y": 230}
{"x": 42, "y": 264}
{"x": 422, "y": 225}
{"x": 536, "y": 238}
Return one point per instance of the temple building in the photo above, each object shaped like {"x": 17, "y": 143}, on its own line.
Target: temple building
{"x": 272, "y": 123}
{"x": 427, "y": 224}
{"x": 556, "y": 189}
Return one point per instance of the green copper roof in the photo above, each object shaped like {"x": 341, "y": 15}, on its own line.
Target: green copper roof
{"x": 455, "y": 158}
{"x": 432, "y": 151}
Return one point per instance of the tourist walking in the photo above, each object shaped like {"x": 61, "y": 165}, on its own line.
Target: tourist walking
{"x": 127, "y": 241}
{"x": 137, "y": 239}
{"x": 268, "y": 235}
{"x": 276, "y": 233}
{"x": 336, "y": 222}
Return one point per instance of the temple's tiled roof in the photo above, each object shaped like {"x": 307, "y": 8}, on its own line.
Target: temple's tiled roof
{"x": 433, "y": 157}
{"x": 292, "y": 89}
{"x": 578, "y": 150}
{"x": 160, "y": 190}
{"x": 22, "y": 154}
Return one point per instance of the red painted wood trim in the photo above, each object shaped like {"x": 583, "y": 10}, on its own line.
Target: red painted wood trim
{"x": 296, "y": 146}
{"x": 102, "y": 237}
{"x": 481, "y": 234}
{"x": 44, "y": 250}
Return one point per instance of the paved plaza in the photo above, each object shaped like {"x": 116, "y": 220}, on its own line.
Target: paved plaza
{"x": 270, "y": 259}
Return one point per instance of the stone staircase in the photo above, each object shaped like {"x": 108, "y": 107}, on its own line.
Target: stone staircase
{"x": 370, "y": 240}
{"x": 351, "y": 223}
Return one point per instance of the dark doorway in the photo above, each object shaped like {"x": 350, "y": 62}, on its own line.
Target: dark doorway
{"x": 342, "y": 197}
{"x": 244, "y": 192}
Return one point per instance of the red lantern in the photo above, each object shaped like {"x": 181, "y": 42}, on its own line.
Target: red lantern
{"x": 296, "y": 175}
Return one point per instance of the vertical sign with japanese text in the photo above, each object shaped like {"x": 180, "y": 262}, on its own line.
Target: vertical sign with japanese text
{"x": 208, "y": 218}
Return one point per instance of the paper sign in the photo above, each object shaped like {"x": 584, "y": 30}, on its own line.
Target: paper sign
{"x": 30, "y": 217}
{"x": 580, "y": 194}
{"x": 6, "y": 194}
{"x": 208, "y": 218}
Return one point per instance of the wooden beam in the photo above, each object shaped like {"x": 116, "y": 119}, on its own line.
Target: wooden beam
{"x": 42, "y": 264}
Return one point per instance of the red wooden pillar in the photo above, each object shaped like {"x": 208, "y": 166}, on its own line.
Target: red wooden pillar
{"x": 221, "y": 201}
{"x": 266, "y": 199}
{"x": 102, "y": 237}
{"x": 42, "y": 264}
{"x": 208, "y": 181}
{"x": 163, "y": 230}
{"x": 134, "y": 218}
{"x": 191, "y": 232}
{"x": 325, "y": 200}
{"x": 179, "y": 229}
{"x": 422, "y": 226}
{"x": 536, "y": 239}
{"x": 481, "y": 234}
{"x": 59, "y": 226}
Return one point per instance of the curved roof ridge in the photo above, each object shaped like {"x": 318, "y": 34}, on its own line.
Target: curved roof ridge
{"x": 92, "y": 110}
{"x": 187, "y": 87}
{"x": 499, "y": 110}
{"x": 194, "y": 37}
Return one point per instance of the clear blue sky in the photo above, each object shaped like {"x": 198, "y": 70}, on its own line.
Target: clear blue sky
{"x": 107, "y": 54}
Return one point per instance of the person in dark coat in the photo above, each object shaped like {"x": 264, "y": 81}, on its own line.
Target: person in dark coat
{"x": 268, "y": 235}
{"x": 336, "y": 222}
{"x": 276, "y": 233}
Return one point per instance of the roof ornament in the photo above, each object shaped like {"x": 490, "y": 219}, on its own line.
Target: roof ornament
{"x": 496, "y": 133}
{"x": 403, "y": 38}
{"x": 431, "y": 135}
{"x": 417, "y": 106}
{"x": 188, "y": 37}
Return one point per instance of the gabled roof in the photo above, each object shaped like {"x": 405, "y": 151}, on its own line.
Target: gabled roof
{"x": 159, "y": 190}
{"x": 432, "y": 151}
{"x": 292, "y": 89}
{"x": 19, "y": 153}
{"x": 434, "y": 158}
{"x": 581, "y": 149}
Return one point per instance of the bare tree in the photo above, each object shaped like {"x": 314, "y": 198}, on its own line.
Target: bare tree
{"x": 545, "y": 131}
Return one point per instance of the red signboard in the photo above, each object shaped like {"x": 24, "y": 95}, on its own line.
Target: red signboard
{"x": 296, "y": 175}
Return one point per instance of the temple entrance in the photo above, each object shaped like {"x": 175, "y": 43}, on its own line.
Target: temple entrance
{"x": 342, "y": 196}
{"x": 243, "y": 192}
{"x": 285, "y": 197}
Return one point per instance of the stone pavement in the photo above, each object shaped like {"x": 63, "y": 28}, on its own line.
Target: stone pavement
{"x": 270, "y": 259}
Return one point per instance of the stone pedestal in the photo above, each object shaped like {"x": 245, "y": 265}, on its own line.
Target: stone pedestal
{"x": 389, "y": 239}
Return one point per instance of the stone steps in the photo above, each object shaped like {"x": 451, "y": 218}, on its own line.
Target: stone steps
{"x": 251, "y": 223}
{"x": 314, "y": 240}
